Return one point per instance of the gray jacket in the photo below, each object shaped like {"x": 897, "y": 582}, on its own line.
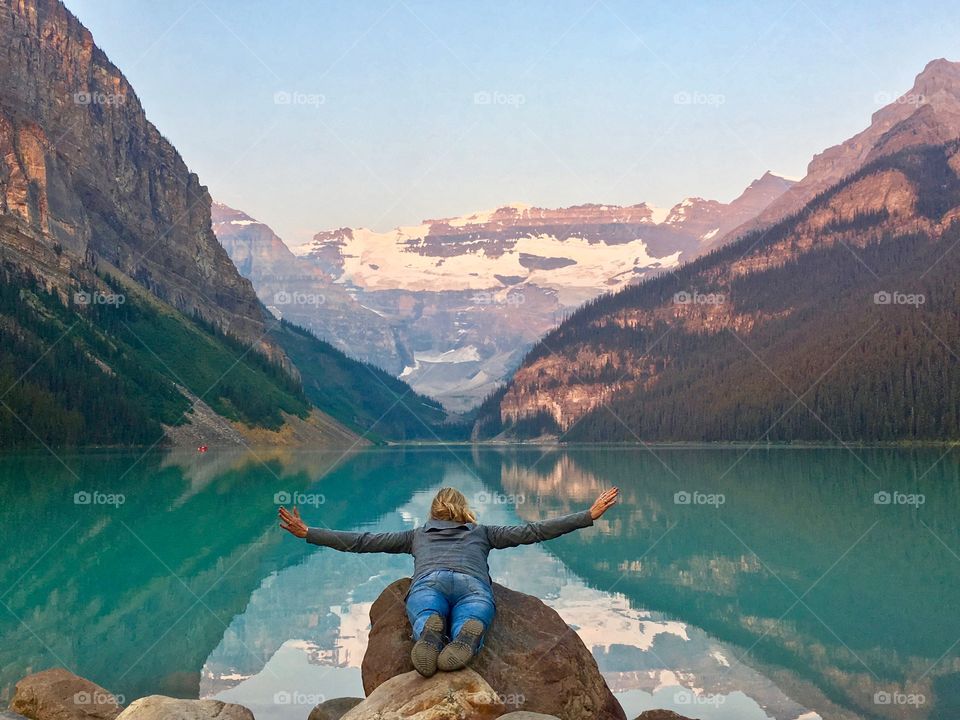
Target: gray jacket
{"x": 445, "y": 545}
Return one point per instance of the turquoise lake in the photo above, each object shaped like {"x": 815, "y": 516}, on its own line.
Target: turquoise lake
{"x": 727, "y": 585}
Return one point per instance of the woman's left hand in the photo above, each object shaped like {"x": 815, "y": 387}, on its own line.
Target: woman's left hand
{"x": 292, "y": 523}
{"x": 607, "y": 499}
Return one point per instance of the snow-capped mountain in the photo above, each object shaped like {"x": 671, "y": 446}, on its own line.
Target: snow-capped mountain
{"x": 453, "y": 304}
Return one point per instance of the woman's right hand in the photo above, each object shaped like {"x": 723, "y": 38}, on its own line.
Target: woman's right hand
{"x": 292, "y": 523}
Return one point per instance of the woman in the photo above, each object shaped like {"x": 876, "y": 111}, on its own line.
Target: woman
{"x": 451, "y": 579}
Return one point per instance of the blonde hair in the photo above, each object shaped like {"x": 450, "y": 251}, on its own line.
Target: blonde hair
{"x": 450, "y": 504}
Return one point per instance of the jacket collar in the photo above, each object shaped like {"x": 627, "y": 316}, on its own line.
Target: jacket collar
{"x": 434, "y": 524}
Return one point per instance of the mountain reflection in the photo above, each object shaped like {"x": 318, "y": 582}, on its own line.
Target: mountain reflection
{"x": 797, "y": 595}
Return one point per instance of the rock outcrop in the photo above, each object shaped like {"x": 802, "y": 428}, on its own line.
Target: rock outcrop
{"x": 334, "y": 709}
{"x": 462, "y": 695}
{"x": 60, "y": 695}
{"x": 83, "y": 171}
{"x": 531, "y": 658}
{"x": 159, "y": 707}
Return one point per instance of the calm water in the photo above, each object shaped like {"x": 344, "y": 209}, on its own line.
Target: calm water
{"x": 782, "y": 589}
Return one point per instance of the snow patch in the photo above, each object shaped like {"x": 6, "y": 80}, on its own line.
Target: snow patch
{"x": 401, "y": 263}
{"x": 658, "y": 214}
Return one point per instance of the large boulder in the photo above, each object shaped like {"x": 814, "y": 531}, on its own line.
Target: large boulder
{"x": 660, "y": 715}
{"x": 334, "y": 709}
{"x": 461, "y": 695}
{"x": 160, "y": 707}
{"x": 531, "y": 658}
{"x": 60, "y": 695}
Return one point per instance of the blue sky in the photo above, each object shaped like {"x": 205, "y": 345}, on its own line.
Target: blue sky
{"x": 314, "y": 115}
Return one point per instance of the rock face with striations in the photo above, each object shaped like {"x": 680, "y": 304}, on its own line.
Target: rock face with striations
{"x": 531, "y": 658}
{"x": 83, "y": 170}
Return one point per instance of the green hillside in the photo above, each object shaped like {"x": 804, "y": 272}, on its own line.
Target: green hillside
{"x": 363, "y": 397}
{"x": 106, "y": 371}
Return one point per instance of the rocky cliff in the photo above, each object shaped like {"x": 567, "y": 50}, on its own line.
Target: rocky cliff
{"x": 85, "y": 172}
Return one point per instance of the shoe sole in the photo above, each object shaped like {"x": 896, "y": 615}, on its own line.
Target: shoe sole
{"x": 424, "y": 655}
{"x": 456, "y": 655}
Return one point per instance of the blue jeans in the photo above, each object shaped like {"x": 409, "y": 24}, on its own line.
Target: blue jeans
{"x": 454, "y": 596}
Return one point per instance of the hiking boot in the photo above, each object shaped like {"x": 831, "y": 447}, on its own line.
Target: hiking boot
{"x": 460, "y": 652}
{"x": 427, "y": 648}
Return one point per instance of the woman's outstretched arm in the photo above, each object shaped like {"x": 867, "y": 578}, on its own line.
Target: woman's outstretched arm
{"x": 391, "y": 542}
{"x": 507, "y": 536}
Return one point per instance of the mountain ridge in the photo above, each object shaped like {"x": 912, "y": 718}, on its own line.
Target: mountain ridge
{"x": 450, "y": 305}
{"x": 928, "y": 113}
{"x": 678, "y": 357}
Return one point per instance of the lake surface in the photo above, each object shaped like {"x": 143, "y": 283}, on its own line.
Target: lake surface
{"x": 727, "y": 585}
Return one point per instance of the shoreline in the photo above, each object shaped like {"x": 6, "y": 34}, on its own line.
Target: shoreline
{"x": 520, "y": 444}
